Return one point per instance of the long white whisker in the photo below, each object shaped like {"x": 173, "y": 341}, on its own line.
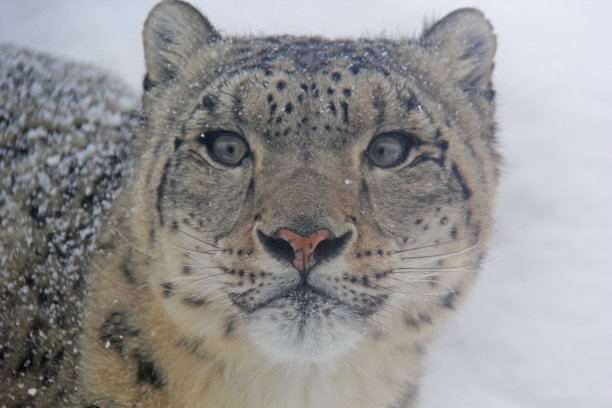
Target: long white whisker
{"x": 142, "y": 251}
{"x": 198, "y": 239}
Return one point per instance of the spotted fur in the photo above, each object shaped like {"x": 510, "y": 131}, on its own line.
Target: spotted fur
{"x": 197, "y": 301}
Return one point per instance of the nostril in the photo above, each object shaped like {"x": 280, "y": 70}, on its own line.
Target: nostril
{"x": 303, "y": 252}
{"x": 330, "y": 248}
{"x": 278, "y": 248}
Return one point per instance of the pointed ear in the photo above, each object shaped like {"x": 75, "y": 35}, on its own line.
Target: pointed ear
{"x": 466, "y": 41}
{"x": 173, "y": 31}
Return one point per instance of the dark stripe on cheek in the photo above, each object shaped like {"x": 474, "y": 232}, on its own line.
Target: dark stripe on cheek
{"x": 168, "y": 288}
{"x": 448, "y": 301}
{"x": 365, "y": 191}
{"x": 195, "y": 301}
{"x": 161, "y": 191}
{"x": 407, "y": 398}
{"x": 147, "y": 370}
{"x": 230, "y": 327}
{"x": 467, "y": 193}
{"x": 116, "y": 330}
{"x": 250, "y": 193}
{"x": 129, "y": 272}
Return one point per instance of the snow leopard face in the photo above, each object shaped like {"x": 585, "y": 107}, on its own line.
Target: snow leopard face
{"x": 311, "y": 193}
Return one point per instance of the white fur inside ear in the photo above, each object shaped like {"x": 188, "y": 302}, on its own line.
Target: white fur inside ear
{"x": 285, "y": 334}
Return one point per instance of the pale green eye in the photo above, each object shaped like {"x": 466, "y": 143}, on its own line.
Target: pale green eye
{"x": 388, "y": 149}
{"x": 227, "y": 148}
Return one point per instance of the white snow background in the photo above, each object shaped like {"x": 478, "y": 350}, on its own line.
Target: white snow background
{"x": 537, "y": 329}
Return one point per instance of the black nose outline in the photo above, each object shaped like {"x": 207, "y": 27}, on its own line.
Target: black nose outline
{"x": 325, "y": 250}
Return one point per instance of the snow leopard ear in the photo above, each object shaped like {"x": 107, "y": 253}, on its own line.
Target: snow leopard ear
{"x": 465, "y": 41}
{"x": 173, "y": 31}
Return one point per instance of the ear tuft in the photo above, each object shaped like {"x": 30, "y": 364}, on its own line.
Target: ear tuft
{"x": 466, "y": 40}
{"x": 174, "y": 30}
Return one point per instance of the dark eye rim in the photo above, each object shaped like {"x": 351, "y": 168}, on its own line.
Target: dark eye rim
{"x": 208, "y": 140}
{"x": 408, "y": 140}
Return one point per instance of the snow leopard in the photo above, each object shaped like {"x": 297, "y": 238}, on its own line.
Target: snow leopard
{"x": 277, "y": 221}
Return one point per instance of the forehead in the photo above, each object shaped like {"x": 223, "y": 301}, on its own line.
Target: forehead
{"x": 290, "y": 91}
{"x": 311, "y": 54}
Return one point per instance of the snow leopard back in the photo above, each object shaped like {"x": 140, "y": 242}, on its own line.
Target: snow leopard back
{"x": 65, "y": 146}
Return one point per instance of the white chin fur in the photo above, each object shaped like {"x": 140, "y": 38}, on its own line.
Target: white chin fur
{"x": 320, "y": 338}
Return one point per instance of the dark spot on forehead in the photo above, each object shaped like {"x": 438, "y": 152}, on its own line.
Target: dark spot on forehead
{"x": 344, "y": 107}
{"x": 442, "y": 145}
{"x": 336, "y": 76}
{"x": 147, "y": 84}
{"x": 280, "y": 85}
{"x": 489, "y": 95}
{"x": 315, "y": 90}
{"x": 177, "y": 143}
{"x": 412, "y": 103}
{"x": 209, "y": 102}
{"x": 288, "y": 108}
{"x": 332, "y": 108}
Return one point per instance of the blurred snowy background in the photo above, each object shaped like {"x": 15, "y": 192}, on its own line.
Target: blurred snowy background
{"x": 537, "y": 329}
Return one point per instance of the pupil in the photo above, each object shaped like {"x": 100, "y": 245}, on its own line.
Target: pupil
{"x": 381, "y": 151}
{"x": 230, "y": 150}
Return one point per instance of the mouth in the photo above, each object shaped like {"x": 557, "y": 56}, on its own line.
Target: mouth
{"x": 304, "y": 297}
{"x": 303, "y": 321}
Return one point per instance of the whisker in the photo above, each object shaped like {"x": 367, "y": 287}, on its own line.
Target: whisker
{"x": 430, "y": 246}
{"x": 195, "y": 279}
{"x": 131, "y": 244}
{"x": 199, "y": 240}
{"x": 199, "y": 251}
{"x": 192, "y": 266}
{"x": 441, "y": 269}
{"x": 445, "y": 255}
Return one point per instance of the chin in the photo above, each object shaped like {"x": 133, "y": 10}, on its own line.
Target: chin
{"x": 305, "y": 329}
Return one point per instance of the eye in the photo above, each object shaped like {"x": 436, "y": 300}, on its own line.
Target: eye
{"x": 390, "y": 149}
{"x": 227, "y": 148}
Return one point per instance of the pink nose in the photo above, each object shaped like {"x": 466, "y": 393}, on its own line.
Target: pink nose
{"x": 303, "y": 247}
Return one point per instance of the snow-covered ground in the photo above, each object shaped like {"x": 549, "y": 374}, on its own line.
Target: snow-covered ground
{"x": 537, "y": 329}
